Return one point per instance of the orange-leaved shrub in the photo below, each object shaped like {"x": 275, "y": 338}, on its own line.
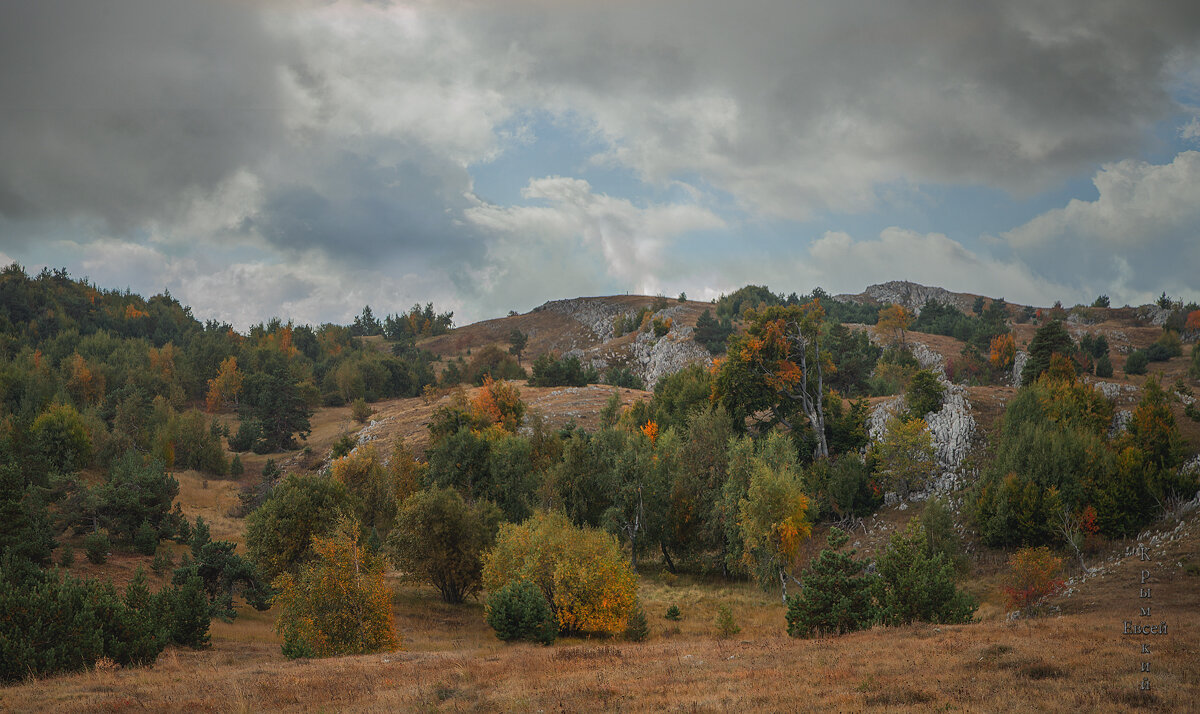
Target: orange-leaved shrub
{"x": 1032, "y": 576}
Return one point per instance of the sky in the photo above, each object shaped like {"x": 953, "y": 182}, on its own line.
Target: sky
{"x": 303, "y": 159}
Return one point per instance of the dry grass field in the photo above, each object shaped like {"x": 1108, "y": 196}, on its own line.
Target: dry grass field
{"x": 1075, "y": 658}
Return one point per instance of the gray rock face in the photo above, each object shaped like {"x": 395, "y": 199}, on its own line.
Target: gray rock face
{"x": 1154, "y": 314}
{"x": 913, "y": 296}
{"x": 951, "y": 428}
{"x": 654, "y": 358}
{"x": 650, "y": 357}
{"x": 596, "y": 314}
{"x": 1019, "y": 361}
{"x": 1113, "y": 390}
{"x": 1120, "y": 423}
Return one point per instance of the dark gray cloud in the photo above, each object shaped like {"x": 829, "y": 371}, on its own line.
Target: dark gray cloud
{"x": 114, "y": 109}
{"x": 363, "y": 210}
{"x": 799, "y": 106}
{"x": 330, "y": 145}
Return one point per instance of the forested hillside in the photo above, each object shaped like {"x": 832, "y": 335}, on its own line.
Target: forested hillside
{"x": 599, "y": 469}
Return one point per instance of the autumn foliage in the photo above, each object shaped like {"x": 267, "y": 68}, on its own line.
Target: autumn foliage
{"x": 893, "y": 321}
{"x": 499, "y": 403}
{"x": 338, "y": 604}
{"x": 1032, "y": 576}
{"x": 223, "y": 389}
{"x": 1003, "y": 351}
{"x": 581, "y": 571}
{"x": 650, "y": 429}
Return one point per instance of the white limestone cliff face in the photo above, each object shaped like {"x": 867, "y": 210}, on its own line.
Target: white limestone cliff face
{"x": 951, "y": 428}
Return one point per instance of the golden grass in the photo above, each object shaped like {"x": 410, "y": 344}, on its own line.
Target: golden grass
{"x": 215, "y": 499}
{"x": 452, "y": 662}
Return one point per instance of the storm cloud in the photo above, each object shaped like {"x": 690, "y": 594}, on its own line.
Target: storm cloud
{"x": 302, "y": 158}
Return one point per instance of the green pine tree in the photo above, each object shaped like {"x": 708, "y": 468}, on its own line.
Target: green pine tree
{"x": 836, "y": 598}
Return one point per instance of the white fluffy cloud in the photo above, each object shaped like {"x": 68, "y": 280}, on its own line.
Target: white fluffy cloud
{"x": 628, "y": 239}
{"x": 1139, "y": 237}
{"x": 305, "y": 158}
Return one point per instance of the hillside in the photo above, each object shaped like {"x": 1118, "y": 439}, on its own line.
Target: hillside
{"x": 451, "y": 660}
{"x": 583, "y": 327}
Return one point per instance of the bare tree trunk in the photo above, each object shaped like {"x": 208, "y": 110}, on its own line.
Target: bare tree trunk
{"x": 666, "y": 557}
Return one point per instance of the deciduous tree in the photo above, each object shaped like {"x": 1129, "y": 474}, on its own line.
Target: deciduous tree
{"x": 440, "y": 538}
{"x": 339, "y": 603}
{"x": 893, "y": 321}
{"x": 779, "y": 365}
{"x": 905, "y": 456}
{"x": 225, "y": 388}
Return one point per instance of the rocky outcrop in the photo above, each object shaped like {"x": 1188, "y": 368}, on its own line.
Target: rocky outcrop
{"x": 1018, "y": 368}
{"x": 650, "y": 357}
{"x": 654, "y": 358}
{"x": 1113, "y": 390}
{"x": 596, "y": 314}
{"x": 951, "y": 428}
{"x": 1153, "y": 314}
{"x": 1120, "y": 423}
{"x": 912, "y": 296}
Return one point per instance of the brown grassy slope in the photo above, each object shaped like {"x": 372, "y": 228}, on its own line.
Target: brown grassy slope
{"x": 548, "y": 330}
{"x": 409, "y": 418}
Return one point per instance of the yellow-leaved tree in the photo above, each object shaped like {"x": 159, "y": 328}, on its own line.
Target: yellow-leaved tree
{"x": 223, "y": 389}
{"x": 773, "y": 520}
{"x": 905, "y": 456}
{"x": 581, "y": 571}
{"x": 379, "y": 488}
{"x": 339, "y": 603}
{"x": 893, "y": 321}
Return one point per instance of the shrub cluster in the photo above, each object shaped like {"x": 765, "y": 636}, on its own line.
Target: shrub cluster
{"x": 550, "y": 371}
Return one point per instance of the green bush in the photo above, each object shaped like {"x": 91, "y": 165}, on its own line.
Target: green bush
{"x": 1136, "y": 362}
{"x": 146, "y": 539}
{"x": 673, "y": 613}
{"x": 162, "y": 561}
{"x": 440, "y": 538}
{"x": 637, "y": 629}
{"x": 189, "y": 441}
{"x": 235, "y": 466}
{"x": 924, "y": 395}
{"x": 66, "y": 557}
{"x": 1104, "y": 367}
{"x": 360, "y": 411}
{"x": 519, "y": 611}
{"x": 249, "y": 432}
{"x": 138, "y": 489}
{"x": 59, "y": 440}
{"x": 54, "y": 623}
{"x": 726, "y": 626}
{"x": 549, "y": 371}
{"x": 191, "y": 613}
{"x": 1050, "y": 339}
{"x": 96, "y": 546}
{"x": 623, "y": 377}
{"x": 914, "y": 585}
{"x": 836, "y": 598}
{"x": 279, "y": 533}
{"x": 1170, "y": 344}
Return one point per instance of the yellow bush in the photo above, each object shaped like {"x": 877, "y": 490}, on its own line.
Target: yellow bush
{"x": 582, "y": 571}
